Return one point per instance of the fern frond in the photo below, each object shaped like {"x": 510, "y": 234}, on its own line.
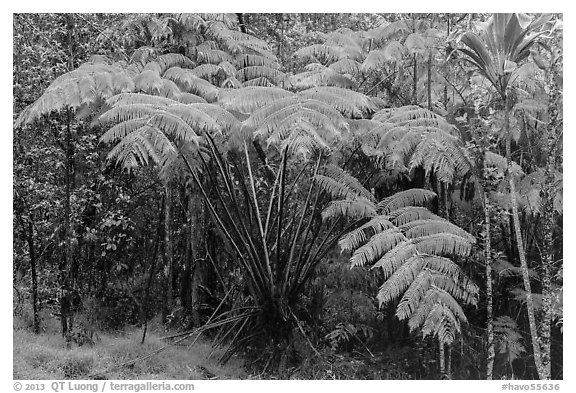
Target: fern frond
{"x": 189, "y": 98}
{"x": 335, "y": 189}
{"x": 251, "y": 98}
{"x": 277, "y": 128}
{"x": 229, "y": 124}
{"x": 148, "y": 81}
{"x": 275, "y": 112}
{"x": 206, "y": 55}
{"x": 393, "y": 259}
{"x": 508, "y": 338}
{"x": 323, "y": 53}
{"x": 174, "y": 125}
{"x": 258, "y": 82}
{"x": 320, "y": 77}
{"x": 189, "y": 82}
{"x": 168, "y": 60}
{"x": 247, "y": 60}
{"x": 169, "y": 89}
{"x": 274, "y": 75}
{"x": 194, "y": 117}
{"x": 345, "y": 66}
{"x": 411, "y": 213}
{"x": 442, "y": 323}
{"x": 83, "y": 86}
{"x": 378, "y": 57}
{"x": 355, "y": 209}
{"x": 433, "y": 297}
{"x": 400, "y": 280}
{"x": 341, "y": 176}
{"x": 388, "y": 30}
{"x": 377, "y": 246}
{"x": 140, "y": 146}
{"x": 443, "y": 244}
{"x": 496, "y": 160}
{"x": 358, "y": 236}
{"x": 460, "y": 287}
{"x": 414, "y": 295}
{"x": 205, "y": 71}
{"x": 139, "y": 98}
{"x": 120, "y": 130}
{"x": 427, "y": 227}
{"x": 128, "y": 112}
{"x": 348, "y": 102}
{"x": 411, "y": 197}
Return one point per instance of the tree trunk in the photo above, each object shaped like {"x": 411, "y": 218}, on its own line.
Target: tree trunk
{"x": 168, "y": 256}
{"x": 35, "y": 307}
{"x": 520, "y": 246}
{"x": 193, "y": 274}
{"x": 415, "y": 82}
{"x": 442, "y": 358}
{"x": 430, "y": 81}
{"x": 489, "y": 299}
{"x": 549, "y": 193}
{"x": 146, "y": 301}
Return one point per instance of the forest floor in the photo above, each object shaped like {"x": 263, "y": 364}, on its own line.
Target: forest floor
{"x": 44, "y": 356}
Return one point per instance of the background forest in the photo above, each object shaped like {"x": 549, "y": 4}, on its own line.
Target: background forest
{"x": 323, "y": 196}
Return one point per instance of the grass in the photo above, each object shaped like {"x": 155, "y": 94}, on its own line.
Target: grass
{"x": 45, "y": 356}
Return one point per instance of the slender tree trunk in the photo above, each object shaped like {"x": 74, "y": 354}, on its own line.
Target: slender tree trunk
{"x": 415, "y": 81}
{"x": 489, "y": 296}
{"x": 430, "y": 81}
{"x": 549, "y": 193}
{"x": 146, "y": 302}
{"x": 520, "y": 246}
{"x": 35, "y": 307}
{"x": 66, "y": 301}
{"x": 194, "y": 265}
{"x": 442, "y": 357}
{"x": 168, "y": 256}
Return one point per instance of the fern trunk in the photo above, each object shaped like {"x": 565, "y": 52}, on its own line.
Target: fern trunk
{"x": 520, "y": 246}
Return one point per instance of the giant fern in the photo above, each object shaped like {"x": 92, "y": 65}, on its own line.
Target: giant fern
{"x": 411, "y": 246}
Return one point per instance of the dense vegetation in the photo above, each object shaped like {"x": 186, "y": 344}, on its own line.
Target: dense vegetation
{"x": 324, "y": 195}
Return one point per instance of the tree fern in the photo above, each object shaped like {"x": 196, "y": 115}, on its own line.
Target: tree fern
{"x": 409, "y": 244}
{"x": 508, "y": 338}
